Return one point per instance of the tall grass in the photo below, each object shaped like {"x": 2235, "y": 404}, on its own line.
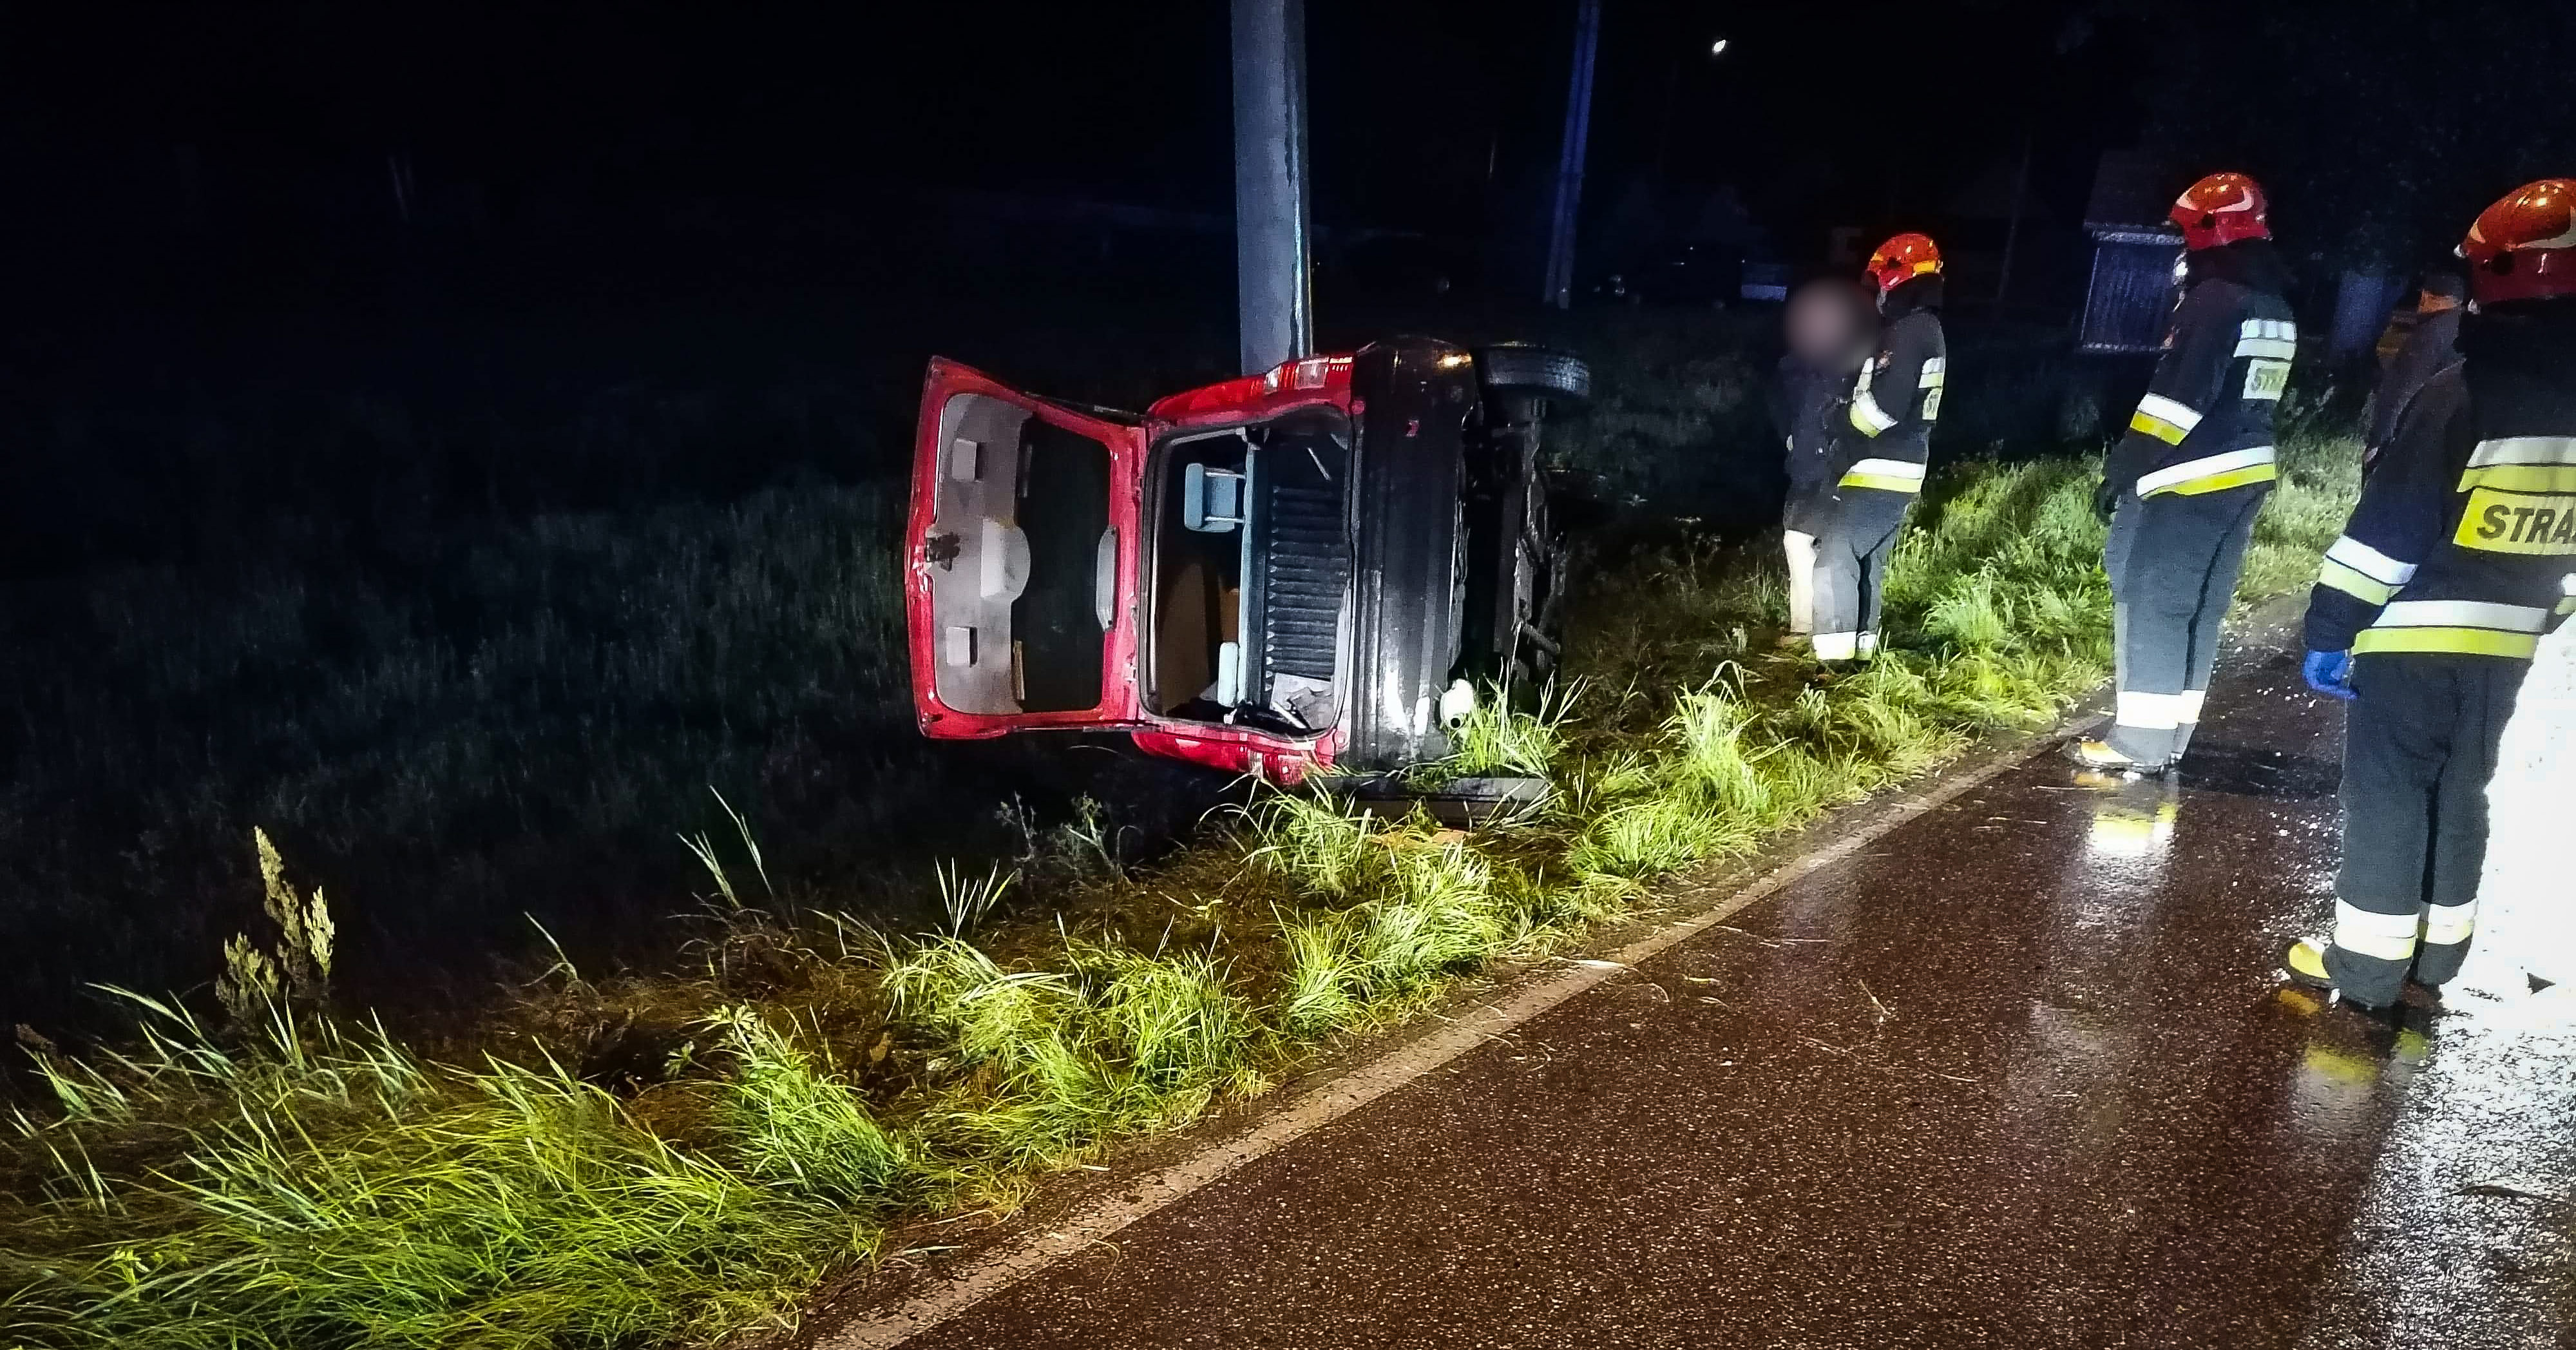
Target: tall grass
{"x": 272, "y": 1205}
{"x": 295, "y": 1179}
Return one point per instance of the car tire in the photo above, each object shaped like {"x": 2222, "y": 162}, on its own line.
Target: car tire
{"x": 1518, "y": 368}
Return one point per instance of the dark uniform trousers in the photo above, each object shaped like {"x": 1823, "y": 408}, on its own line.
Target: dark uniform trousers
{"x": 2173, "y": 560}
{"x": 1851, "y": 570}
{"x": 2419, "y": 746}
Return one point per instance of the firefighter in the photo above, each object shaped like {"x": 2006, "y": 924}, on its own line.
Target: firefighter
{"x": 1831, "y": 331}
{"x": 2182, "y": 488}
{"x": 2431, "y": 340}
{"x": 1895, "y": 398}
{"x": 2428, "y": 609}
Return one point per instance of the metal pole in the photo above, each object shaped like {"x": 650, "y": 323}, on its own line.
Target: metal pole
{"x": 1270, "y": 217}
{"x": 1569, "y": 161}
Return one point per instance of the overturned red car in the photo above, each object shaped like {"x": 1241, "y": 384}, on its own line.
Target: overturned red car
{"x": 1313, "y": 568}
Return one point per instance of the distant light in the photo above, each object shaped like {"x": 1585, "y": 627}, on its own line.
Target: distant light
{"x": 1717, "y": 48}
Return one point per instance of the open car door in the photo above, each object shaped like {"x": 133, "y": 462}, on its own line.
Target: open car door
{"x": 1020, "y": 561}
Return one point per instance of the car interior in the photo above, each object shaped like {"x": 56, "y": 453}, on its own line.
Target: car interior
{"x": 1198, "y": 585}
{"x": 1251, "y": 564}
{"x": 1020, "y": 592}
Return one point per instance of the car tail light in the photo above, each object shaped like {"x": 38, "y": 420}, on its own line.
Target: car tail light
{"x": 1311, "y": 372}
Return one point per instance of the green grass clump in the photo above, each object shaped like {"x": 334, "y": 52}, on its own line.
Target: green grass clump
{"x": 1713, "y": 760}
{"x": 1650, "y": 837}
{"x": 798, "y": 1129}
{"x": 1322, "y": 990}
{"x": 1437, "y": 916}
{"x": 1316, "y": 841}
{"x": 1171, "y": 1021}
{"x": 1036, "y": 1067}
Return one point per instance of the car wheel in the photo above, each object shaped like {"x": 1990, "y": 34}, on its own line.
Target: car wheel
{"x": 1520, "y": 368}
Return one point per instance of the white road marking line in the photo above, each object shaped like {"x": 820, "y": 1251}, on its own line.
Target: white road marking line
{"x": 1348, "y": 1092}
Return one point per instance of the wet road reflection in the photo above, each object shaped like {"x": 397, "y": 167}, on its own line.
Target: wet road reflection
{"x": 2021, "y": 1074}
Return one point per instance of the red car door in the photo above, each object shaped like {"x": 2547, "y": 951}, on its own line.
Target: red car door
{"x": 1021, "y": 561}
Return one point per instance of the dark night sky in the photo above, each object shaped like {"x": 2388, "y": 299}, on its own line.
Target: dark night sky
{"x": 263, "y": 132}
{"x": 1851, "y": 108}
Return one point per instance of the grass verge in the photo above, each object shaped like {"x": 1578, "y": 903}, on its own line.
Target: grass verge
{"x": 650, "y": 1161}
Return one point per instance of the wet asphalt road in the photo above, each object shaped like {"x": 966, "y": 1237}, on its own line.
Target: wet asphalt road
{"x": 2019, "y": 1074}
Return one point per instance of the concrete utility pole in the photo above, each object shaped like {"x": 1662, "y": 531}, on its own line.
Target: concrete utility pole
{"x": 1559, "y": 289}
{"x": 1270, "y": 217}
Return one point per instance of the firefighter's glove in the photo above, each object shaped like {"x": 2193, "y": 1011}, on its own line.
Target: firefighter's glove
{"x": 2106, "y": 498}
{"x": 2329, "y": 673}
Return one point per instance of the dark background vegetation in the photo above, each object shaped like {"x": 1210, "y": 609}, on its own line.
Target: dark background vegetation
{"x": 454, "y": 437}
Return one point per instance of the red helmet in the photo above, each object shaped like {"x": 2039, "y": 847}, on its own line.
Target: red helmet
{"x": 2221, "y": 209}
{"x": 1902, "y": 259}
{"x": 2524, "y": 247}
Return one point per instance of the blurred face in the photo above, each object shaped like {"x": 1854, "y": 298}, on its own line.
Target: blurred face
{"x": 1824, "y": 323}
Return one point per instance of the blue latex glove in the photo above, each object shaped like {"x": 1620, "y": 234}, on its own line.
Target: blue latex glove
{"x": 2329, "y": 673}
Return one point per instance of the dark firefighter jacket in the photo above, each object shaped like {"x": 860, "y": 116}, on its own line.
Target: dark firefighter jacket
{"x": 2430, "y": 345}
{"x": 2205, "y": 424}
{"x": 1810, "y": 405}
{"x": 2465, "y": 535}
{"x": 1897, "y": 396}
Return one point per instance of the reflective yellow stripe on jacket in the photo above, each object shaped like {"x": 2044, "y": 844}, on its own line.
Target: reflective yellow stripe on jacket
{"x": 2358, "y": 570}
{"x": 2213, "y": 473}
{"x": 2163, "y": 418}
{"x": 2522, "y": 464}
{"x": 1866, "y": 416}
{"x": 2456, "y": 627}
{"x": 1887, "y": 475}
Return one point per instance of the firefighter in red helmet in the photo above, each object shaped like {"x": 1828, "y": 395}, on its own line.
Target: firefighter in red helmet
{"x": 2427, "y": 611}
{"x": 2182, "y": 488}
{"x": 1895, "y": 398}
